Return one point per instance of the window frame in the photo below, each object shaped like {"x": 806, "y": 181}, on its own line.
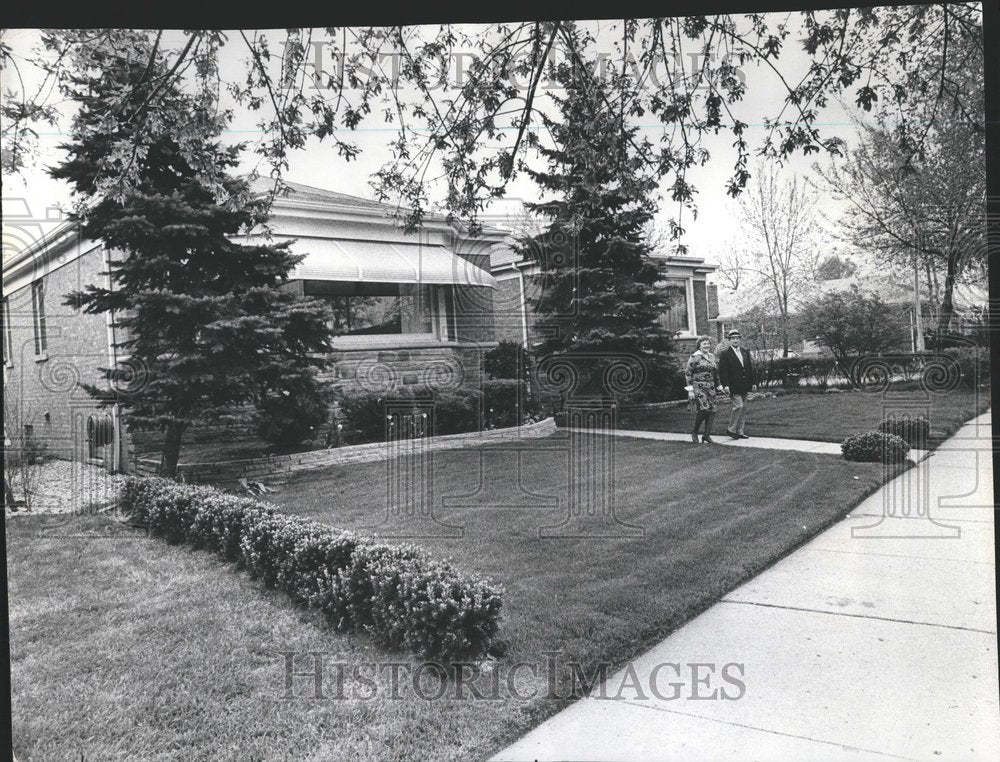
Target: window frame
{"x": 439, "y": 332}
{"x": 688, "y": 284}
{"x": 38, "y": 319}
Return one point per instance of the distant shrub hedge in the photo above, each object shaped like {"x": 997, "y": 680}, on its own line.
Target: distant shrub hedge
{"x": 875, "y": 447}
{"x": 973, "y": 363}
{"x": 818, "y": 371}
{"x": 914, "y": 431}
{"x": 397, "y": 593}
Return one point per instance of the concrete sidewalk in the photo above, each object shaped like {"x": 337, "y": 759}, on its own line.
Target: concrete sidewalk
{"x": 767, "y": 443}
{"x": 875, "y": 640}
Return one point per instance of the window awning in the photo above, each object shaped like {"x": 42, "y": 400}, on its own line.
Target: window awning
{"x": 337, "y": 259}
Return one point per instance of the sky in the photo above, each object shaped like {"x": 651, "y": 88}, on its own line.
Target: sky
{"x": 34, "y": 196}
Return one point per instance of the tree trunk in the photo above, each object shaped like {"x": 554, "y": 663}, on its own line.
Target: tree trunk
{"x": 947, "y": 303}
{"x": 8, "y": 494}
{"x": 171, "y": 449}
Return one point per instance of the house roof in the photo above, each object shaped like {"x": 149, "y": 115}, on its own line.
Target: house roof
{"x": 502, "y": 257}
{"x": 307, "y": 193}
{"x": 311, "y": 194}
{"x": 66, "y": 233}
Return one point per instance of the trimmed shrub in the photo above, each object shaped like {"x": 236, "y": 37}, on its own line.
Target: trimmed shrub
{"x": 397, "y": 593}
{"x": 508, "y": 359}
{"x": 506, "y": 403}
{"x": 287, "y": 421}
{"x": 875, "y": 447}
{"x": 912, "y": 430}
{"x": 364, "y": 412}
{"x": 457, "y": 412}
{"x": 498, "y": 403}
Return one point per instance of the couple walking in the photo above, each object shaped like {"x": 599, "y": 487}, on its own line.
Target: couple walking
{"x": 732, "y": 374}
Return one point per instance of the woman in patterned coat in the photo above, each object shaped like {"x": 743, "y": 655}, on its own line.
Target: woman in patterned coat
{"x": 702, "y": 375}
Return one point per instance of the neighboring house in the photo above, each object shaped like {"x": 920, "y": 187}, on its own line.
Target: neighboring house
{"x": 970, "y": 300}
{"x": 693, "y": 302}
{"x": 407, "y": 309}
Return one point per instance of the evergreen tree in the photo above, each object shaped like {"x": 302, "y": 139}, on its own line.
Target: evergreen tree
{"x": 208, "y": 329}
{"x": 599, "y": 298}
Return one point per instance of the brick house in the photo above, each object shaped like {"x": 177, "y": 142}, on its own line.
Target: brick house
{"x": 693, "y": 301}
{"x": 409, "y": 308}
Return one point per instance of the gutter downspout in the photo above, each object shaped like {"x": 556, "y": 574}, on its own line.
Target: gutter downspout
{"x": 524, "y": 305}
{"x": 116, "y": 421}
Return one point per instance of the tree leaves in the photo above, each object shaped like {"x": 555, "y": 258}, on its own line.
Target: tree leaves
{"x": 460, "y": 127}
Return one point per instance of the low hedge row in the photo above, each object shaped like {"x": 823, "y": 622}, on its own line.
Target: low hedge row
{"x": 397, "y": 593}
{"x": 875, "y": 447}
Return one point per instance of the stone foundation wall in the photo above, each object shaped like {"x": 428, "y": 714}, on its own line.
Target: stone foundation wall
{"x": 436, "y": 366}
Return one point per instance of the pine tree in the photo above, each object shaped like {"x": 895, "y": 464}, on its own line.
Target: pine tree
{"x": 599, "y": 300}
{"x": 209, "y": 331}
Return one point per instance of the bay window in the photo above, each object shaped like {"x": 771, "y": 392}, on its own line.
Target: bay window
{"x": 387, "y": 309}
{"x": 676, "y": 316}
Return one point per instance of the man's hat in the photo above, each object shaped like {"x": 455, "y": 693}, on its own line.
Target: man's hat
{"x": 732, "y": 333}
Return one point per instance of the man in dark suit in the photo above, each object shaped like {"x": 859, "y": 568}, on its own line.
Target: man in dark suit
{"x": 738, "y": 380}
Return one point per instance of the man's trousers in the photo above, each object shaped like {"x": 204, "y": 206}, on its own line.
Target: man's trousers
{"x": 738, "y": 417}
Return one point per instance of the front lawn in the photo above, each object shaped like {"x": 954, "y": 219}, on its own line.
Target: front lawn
{"x": 133, "y": 647}
{"x": 823, "y": 417}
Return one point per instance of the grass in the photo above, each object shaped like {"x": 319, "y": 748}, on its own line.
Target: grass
{"x": 125, "y": 647}
{"x": 129, "y": 647}
{"x": 824, "y": 417}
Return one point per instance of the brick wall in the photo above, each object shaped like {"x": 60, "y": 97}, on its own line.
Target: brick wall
{"x": 701, "y": 306}
{"x": 713, "y": 301}
{"x": 473, "y": 317}
{"x": 507, "y": 310}
{"x": 77, "y": 345}
{"x": 474, "y": 313}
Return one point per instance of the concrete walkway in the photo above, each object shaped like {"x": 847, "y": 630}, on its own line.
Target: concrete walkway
{"x": 767, "y": 443}
{"x": 876, "y": 640}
